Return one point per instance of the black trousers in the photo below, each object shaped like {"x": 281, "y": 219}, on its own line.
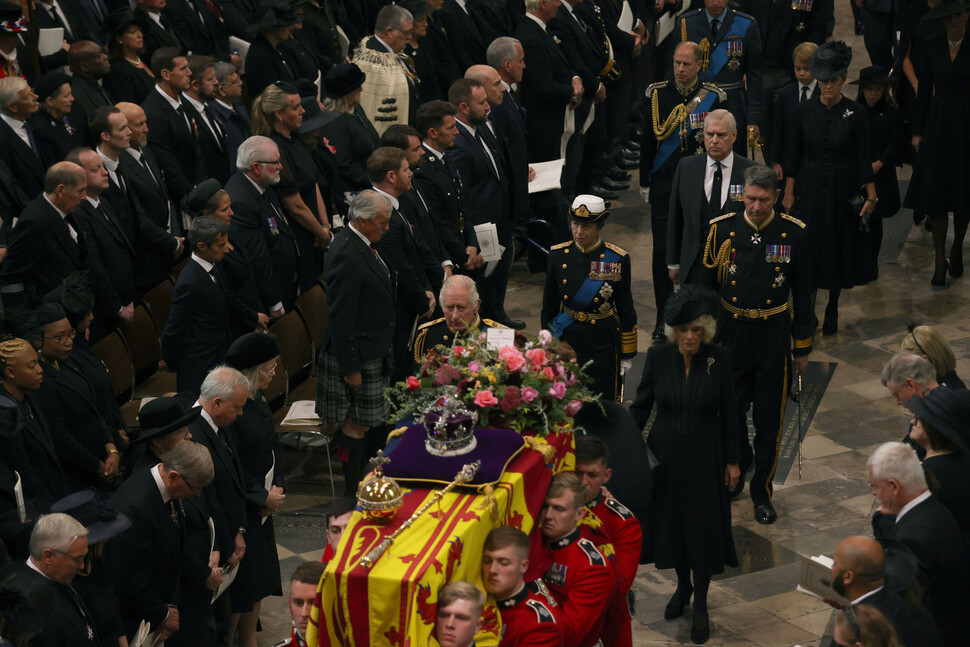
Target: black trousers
{"x": 663, "y": 287}
{"x": 878, "y": 36}
{"x": 761, "y": 363}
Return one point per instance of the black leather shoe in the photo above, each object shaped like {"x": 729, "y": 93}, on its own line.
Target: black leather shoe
{"x": 659, "y": 335}
{"x": 627, "y": 164}
{"x": 626, "y": 152}
{"x": 680, "y": 599}
{"x": 830, "y": 325}
{"x": 765, "y": 514}
{"x": 700, "y": 627}
{"x": 938, "y": 282}
{"x": 632, "y": 145}
{"x": 737, "y": 489}
{"x": 515, "y": 324}
{"x": 613, "y": 185}
{"x": 618, "y": 174}
{"x": 603, "y": 192}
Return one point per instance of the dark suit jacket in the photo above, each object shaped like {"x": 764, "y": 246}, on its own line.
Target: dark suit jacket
{"x": 145, "y": 560}
{"x": 26, "y": 166}
{"x": 360, "y": 303}
{"x": 215, "y": 152}
{"x": 54, "y": 142}
{"x": 156, "y": 36}
{"x": 265, "y": 236}
{"x": 546, "y": 90}
{"x": 509, "y": 120}
{"x": 432, "y": 253}
{"x": 441, "y": 188}
{"x": 116, "y": 251}
{"x": 467, "y": 32}
{"x": 175, "y": 145}
{"x": 690, "y": 212}
{"x": 265, "y": 65}
{"x": 88, "y": 97}
{"x": 30, "y": 449}
{"x": 236, "y": 125}
{"x": 784, "y": 28}
{"x": 196, "y": 336}
{"x": 399, "y": 249}
{"x": 436, "y": 66}
{"x": 914, "y": 629}
{"x": 586, "y": 56}
{"x": 781, "y": 119}
{"x": 355, "y": 139}
{"x": 63, "y": 622}
{"x": 486, "y": 191}
{"x": 241, "y": 18}
{"x": 208, "y": 36}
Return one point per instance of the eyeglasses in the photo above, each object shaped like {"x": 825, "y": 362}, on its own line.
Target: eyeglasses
{"x": 270, "y": 370}
{"x": 62, "y": 337}
{"x": 193, "y": 489}
{"x": 406, "y": 33}
{"x": 268, "y": 163}
{"x": 79, "y": 560}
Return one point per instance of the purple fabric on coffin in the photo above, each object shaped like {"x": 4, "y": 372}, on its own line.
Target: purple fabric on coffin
{"x": 411, "y": 461}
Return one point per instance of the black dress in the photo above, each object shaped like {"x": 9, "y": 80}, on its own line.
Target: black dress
{"x": 55, "y": 138}
{"x": 694, "y": 437}
{"x": 355, "y": 139}
{"x": 950, "y": 471}
{"x": 828, "y": 154}
{"x": 885, "y": 145}
{"x": 259, "y": 450}
{"x": 125, "y": 82}
{"x": 265, "y": 65}
{"x": 942, "y": 119}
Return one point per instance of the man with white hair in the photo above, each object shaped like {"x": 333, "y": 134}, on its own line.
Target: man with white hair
{"x": 391, "y": 88}
{"x": 355, "y": 363}
{"x": 18, "y": 150}
{"x": 460, "y": 303}
{"x": 909, "y": 514}
{"x": 260, "y": 226}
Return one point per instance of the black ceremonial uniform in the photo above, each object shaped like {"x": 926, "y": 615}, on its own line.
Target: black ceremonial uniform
{"x": 763, "y": 275}
{"x": 440, "y": 185}
{"x": 438, "y": 333}
{"x": 733, "y": 60}
{"x": 602, "y": 327}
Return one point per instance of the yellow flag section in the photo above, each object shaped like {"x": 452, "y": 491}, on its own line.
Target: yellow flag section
{"x": 393, "y": 602}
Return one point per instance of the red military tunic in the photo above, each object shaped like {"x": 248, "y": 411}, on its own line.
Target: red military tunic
{"x": 622, "y": 530}
{"x": 294, "y": 641}
{"x": 582, "y": 582}
{"x": 529, "y": 618}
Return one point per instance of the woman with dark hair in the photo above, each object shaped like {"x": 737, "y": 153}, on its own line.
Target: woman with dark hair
{"x": 829, "y": 182}
{"x": 265, "y": 63}
{"x": 695, "y": 440}
{"x": 53, "y": 131}
{"x": 130, "y": 78}
{"x": 351, "y": 133}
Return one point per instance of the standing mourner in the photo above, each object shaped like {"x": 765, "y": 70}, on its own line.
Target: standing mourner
{"x": 696, "y": 441}
{"x": 587, "y": 300}
{"x": 756, "y": 325}
{"x": 827, "y": 153}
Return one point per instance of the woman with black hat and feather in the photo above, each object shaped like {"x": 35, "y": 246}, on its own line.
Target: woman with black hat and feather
{"x": 695, "y": 440}
{"x": 827, "y": 159}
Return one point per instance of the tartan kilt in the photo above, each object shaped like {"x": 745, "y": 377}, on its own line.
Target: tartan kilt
{"x": 368, "y": 406}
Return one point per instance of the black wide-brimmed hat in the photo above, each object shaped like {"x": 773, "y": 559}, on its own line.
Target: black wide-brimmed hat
{"x": 313, "y": 116}
{"x": 49, "y": 84}
{"x": 589, "y": 209}
{"x": 946, "y": 8}
{"x": 102, "y": 521}
{"x": 275, "y": 15}
{"x": 688, "y": 304}
{"x": 12, "y": 19}
{"x": 118, "y": 21}
{"x": 252, "y": 349}
{"x": 343, "y": 79}
{"x": 162, "y": 416}
{"x": 197, "y": 197}
{"x": 872, "y": 75}
{"x": 830, "y": 60}
{"x": 947, "y": 412}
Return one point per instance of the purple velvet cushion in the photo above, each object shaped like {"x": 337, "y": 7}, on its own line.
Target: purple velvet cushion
{"x": 410, "y": 461}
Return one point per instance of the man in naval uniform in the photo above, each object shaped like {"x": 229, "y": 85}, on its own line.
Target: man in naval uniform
{"x": 731, "y": 43}
{"x": 674, "y": 130}
{"x": 587, "y": 300}
{"x": 762, "y": 267}
{"x": 460, "y": 303}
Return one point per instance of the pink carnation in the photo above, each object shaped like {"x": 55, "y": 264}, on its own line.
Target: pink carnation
{"x": 474, "y": 367}
{"x": 529, "y": 394}
{"x": 515, "y": 363}
{"x": 573, "y": 407}
{"x": 557, "y": 390}
{"x": 505, "y": 352}
{"x": 458, "y": 350}
{"x": 537, "y": 356}
{"x": 485, "y": 399}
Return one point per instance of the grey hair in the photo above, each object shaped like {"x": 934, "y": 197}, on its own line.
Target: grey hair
{"x": 67, "y": 173}
{"x": 206, "y": 229}
{"x": 392, "y": 17}
{"x": 252, "y": 380}
{"x": 252, "y": 150}
{"x": 898, "y": 461}
{"x": 10, "y": 89}
{"x": 705, "y": 321}
{"x": 222, "y": 382}
{"x": 532, "y": 5}
{"x": 460, "y": 281}
{"x": 56, "y": 531}
{"x": 908, "y": 366}
{"x": 721, "y": 115}
{"x": 193, "y": 461}
{"x": 366, "y": 205}
{"x": 223, "y": 70}
{"x": 502, "y": 49}
{"x": 762, "y": 177}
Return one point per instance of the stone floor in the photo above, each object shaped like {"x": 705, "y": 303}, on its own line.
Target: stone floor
{"x": 755, "y": 604}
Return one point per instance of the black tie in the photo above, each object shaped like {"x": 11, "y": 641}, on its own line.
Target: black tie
{"x": 30, "y": 138}
{"x": 485, "y": 147}
{"x": 714, "y": 25}
{"x": 804, "y": 93}
{"x": 716, "y": 189}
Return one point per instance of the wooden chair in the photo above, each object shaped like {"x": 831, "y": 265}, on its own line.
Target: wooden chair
{"x": 142, "y": 338}
{"x": 174, "y": 274}
{"x": 296, "y": 348}
{"x": 158, "y": 300}
{"x": 312, "y": 306}
{"x": 113, "y": 353}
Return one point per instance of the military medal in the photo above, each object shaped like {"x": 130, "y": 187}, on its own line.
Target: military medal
{"x": 734, "y": 192}
{"x": 696, "y": 120}
{"x": 756, "y": 238}
{"x": 802, "y": 5}
{"x": 600, "y": 271}
{"x": 734, "y": 50}
{"x": 779, "y": 280}
{"x": 556, "y": 575}
{"x": 606, "y": 291}
{"x": 273, "y": 228}
{"x": 778, "y": 253}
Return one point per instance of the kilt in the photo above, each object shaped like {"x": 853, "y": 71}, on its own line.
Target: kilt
{"x": 367, "y": 406}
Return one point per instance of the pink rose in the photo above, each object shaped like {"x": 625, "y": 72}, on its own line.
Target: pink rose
{"x": 547, "y": 374}
{"x": 529, "y": 394}
{"x": 458, "y": 350}
{"x": 485, "y": 399}
{"x": 557, "y": 390}
{"x": 560, "y": 371}
{"x": 474, "y": 367}
{"x": 515, "y": 363}
{"x": 537, "y": 356}
{"x": 573, "y": 407}
{"x": 505, "y": 352}
{"x": 413, "y": 383}
{"x": 545, "y": 338}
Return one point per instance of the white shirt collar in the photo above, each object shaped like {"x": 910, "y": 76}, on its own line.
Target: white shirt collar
{"x": 33, "y": 566}
{"x": 199, "y": 106}
{"x": 862, "y": 597}
{"x": 110, "y": 164}
{"x": 912, "y": 504}
{"x": 726, "y": 163}
{"x": 135, "y": 153}
{"x": 438, "y": 153}
{"x": 166, "y": 497}
{"x": 93, "y": 201}
{"x": 157, "y": 17}
{"x": 810, "y": 86}
{"x": 359, "y": 235}
{"x": 59, "y": 212}
{"x": 258, "y": 188}
{"x": 386, "y": 46}
{"x": 207, "y": 266}
{"x": 175, "y": 103}
{"x": 14, "y": 123}
{"x": 394, "y": 201}
{"x": 198, "y": 403}
{"x": 468, "y": 126}
{"x": 537, "y": 20}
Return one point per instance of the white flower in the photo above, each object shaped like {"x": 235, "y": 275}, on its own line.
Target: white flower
{"x": 545, "y": 338}
{"x": 848, "y": 113}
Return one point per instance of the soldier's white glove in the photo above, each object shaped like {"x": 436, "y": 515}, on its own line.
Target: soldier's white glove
{"x": 645, "y": 193}
{"x": 625, "y": 366}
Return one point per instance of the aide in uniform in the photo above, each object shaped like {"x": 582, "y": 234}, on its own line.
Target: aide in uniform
{"x": 673, "y": 131}
{"x": 733, "y": 59}
{"x": 459, "y": 302}
{"x": 762, "y": 267}
{"x": 587, "y": 300}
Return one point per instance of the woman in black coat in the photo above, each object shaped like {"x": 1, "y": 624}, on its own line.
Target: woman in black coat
{"x": 695, "y": 439}
{"x": 260, "y": 453}
{"x": 55, "y": 133}
{"x": 266, "y": 63}
{"x": 351, "y": 133}
{"x": 130, "y": 78}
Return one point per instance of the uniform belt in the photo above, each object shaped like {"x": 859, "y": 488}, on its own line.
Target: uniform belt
{"x": 589, "y": 316}
{"x": 754, "y": 313}
{"x": 730, "y": 86}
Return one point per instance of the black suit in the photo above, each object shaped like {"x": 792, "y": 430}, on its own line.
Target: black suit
{"x": 156, "y": 36}
{"x": 24, "y": 163}
{"x": 441, "y": 188}
{"x": 175, "y": 144}
{"x": 145, "y": 560}
{"x": 67, "y": 622}
{"x": 207, "y": 35}
{"x": 117, "y": 254}
{"x": 468, "y": 33}
{"x": 414, "y": 207}
{"x": 75, "y": 30}
{"x": 914, "y": 629}
{"x": 929, "y": 530}
{"x": 88, "y": 97}
{"x": 237, "y": 126}
{"x": 509, "y": 120}
{"x": 197, "y": 334}
{"x": 212, "y": 143}
{"x": 781, "y": 118}
{"x": 690, "y": 212}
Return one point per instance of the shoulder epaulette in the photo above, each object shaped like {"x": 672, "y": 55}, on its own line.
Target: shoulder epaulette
{"x": 543, "y": 614}
{"x": 595, "y": 556}
{"x": 792, "y": 219}
{"x": 720, "y": 218}
{"x": 491, "y": 323}
{"x": 653, "y": 87}
{"x": 743, "y": 15}
{"x": 621, "y": 510}
{"x": 616, "y": 248}
{"x": 428, "y": 324}
{"x": 561, "y": 245}
{"x": 712, "y": 87}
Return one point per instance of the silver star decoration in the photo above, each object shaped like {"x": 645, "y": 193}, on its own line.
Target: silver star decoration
{"x": 780, "y": 279}
{"x": 756, "y": 238}
{"x": 732, "y": 268}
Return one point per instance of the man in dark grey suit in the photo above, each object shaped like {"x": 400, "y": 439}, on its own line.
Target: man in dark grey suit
{"x": 704, "y": 187}
{"x": 89, "y": 64}
{"x": 18, "y": 150}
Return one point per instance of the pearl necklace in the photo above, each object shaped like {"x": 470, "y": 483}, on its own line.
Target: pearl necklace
{"x": 134, "y": 61}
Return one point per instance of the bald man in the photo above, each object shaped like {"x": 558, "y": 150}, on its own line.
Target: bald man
{"x": 858, "y": 574}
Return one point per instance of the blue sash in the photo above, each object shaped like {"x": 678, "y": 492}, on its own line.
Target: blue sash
{"x": 667, "y": 146}
{"x": 583, "y": 296}
{"x": 719, "y": 57}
